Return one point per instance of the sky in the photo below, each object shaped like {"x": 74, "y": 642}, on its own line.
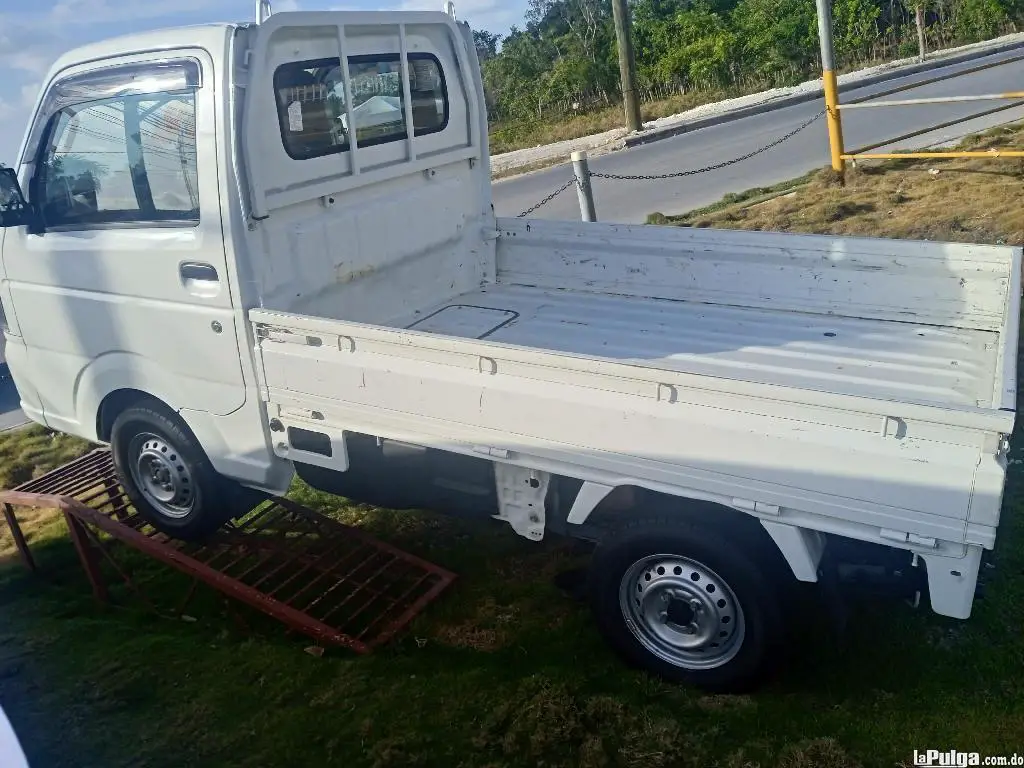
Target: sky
{"x": 33, "y": 33}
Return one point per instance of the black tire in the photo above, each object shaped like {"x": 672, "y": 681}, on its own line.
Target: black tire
{"x": 638, "y": 549}
{"x": 202, "y": 500}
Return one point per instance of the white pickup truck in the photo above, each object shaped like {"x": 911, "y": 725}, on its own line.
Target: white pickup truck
{"x": 248, "y": 251}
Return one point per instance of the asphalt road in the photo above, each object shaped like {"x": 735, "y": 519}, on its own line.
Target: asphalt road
{"x": 10, "y": 410}
{"x": 632, "y": 201}
{"x": 622, "y": 201}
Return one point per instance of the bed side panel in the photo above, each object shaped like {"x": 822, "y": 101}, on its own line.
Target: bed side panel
{"x": 946, "y": 284}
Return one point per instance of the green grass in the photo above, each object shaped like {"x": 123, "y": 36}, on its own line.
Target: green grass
{"x": 24, "y": 454}
{"x": 743, "y": 199}
{"x": 505, "y": 670}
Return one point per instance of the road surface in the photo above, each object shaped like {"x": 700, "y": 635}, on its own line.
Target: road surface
{"x": 632, "y": 201}
{"x": 10, "y": 411}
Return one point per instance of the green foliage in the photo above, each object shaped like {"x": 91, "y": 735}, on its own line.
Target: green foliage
{"x": 779, "y": 36}
{"x": 856, "y": 28}
{"x": 979, "y": 19}
{"x": 486, "y": 44}
{"x": 693, "y": 47}
{"x": 564, "y": 63}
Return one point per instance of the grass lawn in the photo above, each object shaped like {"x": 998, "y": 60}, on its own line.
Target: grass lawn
{"x": 505, "y": 670}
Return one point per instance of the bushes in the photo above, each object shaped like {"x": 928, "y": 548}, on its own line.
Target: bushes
{"x": 979, "y": 19}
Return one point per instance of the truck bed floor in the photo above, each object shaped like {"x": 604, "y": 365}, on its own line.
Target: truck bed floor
{"x": 871, "y": 358}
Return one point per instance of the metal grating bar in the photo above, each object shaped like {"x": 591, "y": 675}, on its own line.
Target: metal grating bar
{"x": 346, "y": 579}
{"x": 354, "y": 592}
{"x": 292, "y": 578}
{"x": 410, "y": 591}
{"x": 325, "y": 565}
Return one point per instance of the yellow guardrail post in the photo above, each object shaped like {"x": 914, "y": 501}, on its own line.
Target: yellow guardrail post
{"x": 828, "y": 65}
{"x": 835, "y": 122}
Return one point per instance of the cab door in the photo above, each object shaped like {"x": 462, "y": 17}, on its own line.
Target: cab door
{"x": 122, "y": 283}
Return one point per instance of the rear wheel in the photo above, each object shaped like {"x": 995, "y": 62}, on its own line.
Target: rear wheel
{"x": 166, "y": 473}
{"x": 680, "y": 600}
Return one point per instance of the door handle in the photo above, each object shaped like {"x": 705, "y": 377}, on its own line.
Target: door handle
{"x": 198, "y": 272}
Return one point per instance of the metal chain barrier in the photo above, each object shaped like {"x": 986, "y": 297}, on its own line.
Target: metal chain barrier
{"x": 716, "y": 166}
{"x": 549, "y": 198}
{"x": 677, "y": 174}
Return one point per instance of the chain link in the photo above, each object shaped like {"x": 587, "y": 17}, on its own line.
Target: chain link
{"x": 677, "y": 174}
{"x": 707, "y": 168}
{"x": 549, "y": 198}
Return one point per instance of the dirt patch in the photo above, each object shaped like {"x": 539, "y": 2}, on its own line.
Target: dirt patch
{"x": 816, "y": 753}
{"x": 547, "y": 718}
{"x": 488, "y": 629}
{"x": 721, "y": 703}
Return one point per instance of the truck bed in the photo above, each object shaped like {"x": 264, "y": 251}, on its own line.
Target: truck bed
{"x": 861, "y": 385}
{"x": 892, "y": 321}
{"x": 879, "y": 359}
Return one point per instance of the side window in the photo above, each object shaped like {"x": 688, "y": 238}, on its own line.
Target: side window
{"x": 312, "y": 111}
{"x": 125, "y": 160}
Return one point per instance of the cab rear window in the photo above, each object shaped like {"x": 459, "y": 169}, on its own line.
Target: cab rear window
{"x": 314, "y": 114}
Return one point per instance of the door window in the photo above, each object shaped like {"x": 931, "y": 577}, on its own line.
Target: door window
{"x": 127, "y": 160}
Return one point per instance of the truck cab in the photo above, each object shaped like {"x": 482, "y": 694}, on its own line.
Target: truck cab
{"x": 238, "y": 252}
{"x": 149, "y": 172}
{"x": 120, "y": 286}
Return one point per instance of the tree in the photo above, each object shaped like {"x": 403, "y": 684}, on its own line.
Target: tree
{"x": 778, "y": 38}
{"x": 856, "y": 28}
{"x": 486, "y": 44}
{"x": 979, "y": 19}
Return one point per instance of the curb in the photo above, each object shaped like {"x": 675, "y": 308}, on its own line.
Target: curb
{"x": 657, "y": 134}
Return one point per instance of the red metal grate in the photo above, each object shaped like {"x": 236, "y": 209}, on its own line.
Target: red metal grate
{"x": 330, "y": 581}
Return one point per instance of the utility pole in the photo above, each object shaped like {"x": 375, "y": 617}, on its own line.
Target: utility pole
{"x": 828, "y": 66}
{"x": 627, "y": 63}
{"x": 919, "y": 20}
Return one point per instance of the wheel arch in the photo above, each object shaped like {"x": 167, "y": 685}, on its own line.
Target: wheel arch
{"x": 118, "y": 378}
{"x": 118, "y": 401}
{"x": 237, "y": 444}
{"x": 597, "y": 508}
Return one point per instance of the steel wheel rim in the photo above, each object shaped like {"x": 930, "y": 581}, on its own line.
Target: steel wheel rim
{"x": 682, "y": 611}
{"x": 161, "y": 475}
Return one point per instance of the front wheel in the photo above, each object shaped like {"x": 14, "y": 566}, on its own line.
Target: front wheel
{"x": 166, "y": 474}
{"x": 678, "y": 599}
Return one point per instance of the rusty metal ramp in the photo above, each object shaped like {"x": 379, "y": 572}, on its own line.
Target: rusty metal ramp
{"x": 325, "y": 579}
